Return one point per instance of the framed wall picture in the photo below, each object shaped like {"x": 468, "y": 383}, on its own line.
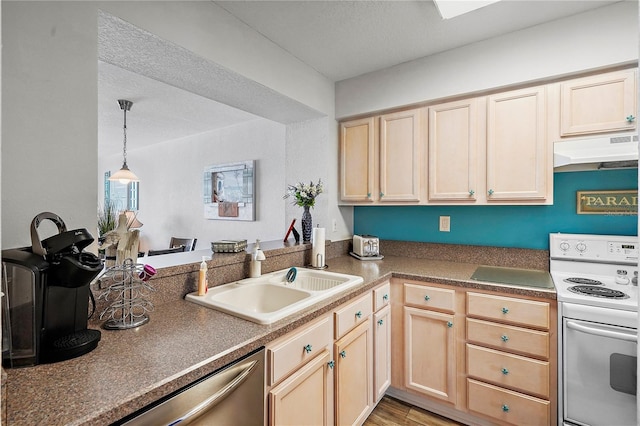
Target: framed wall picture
{"x": 229, "y": 191}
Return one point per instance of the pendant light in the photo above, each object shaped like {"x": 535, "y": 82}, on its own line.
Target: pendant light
{"x": 124, "y": 175}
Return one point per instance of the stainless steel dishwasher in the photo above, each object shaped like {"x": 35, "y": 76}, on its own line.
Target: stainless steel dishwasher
{"x": 233, "y": 395}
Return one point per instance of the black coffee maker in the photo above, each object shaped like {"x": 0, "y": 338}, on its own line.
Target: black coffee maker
{"x": 45, "y": 307}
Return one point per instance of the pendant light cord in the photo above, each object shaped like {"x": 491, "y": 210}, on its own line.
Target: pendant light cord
{"x": 124, "y": 129}
{"x": 125, "y": 106}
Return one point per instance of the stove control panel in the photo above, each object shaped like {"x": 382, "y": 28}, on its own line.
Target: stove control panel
{"x": 596, "y": 248}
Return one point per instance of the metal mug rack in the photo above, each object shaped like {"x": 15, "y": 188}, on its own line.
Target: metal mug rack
{"x": 126, "y": 290}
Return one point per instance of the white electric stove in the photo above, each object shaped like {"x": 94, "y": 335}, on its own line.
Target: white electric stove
{"x": 596, "y": 280}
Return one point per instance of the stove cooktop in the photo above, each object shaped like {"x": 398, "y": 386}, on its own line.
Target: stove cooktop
{"x": 595, "y": 290}
{"x": 595, "y": 270}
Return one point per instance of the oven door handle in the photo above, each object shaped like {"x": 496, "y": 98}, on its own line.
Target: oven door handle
{"x": 603, "y": 333}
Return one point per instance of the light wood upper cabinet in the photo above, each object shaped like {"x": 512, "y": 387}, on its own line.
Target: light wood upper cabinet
{"x": 518, "y": 151}
{"x": 380, "y": 158}
{"x": 599, "y": 103}
{"x": 495, "y": 149}
{"x": 453, "y": 150}
{"x": 358, "y": 160}
{"x": 400, "y": 156}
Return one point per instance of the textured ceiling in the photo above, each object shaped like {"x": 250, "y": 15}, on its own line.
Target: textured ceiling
{"x": 160, "y": 112}
{"x": 177, "y": 93}
{"x": 343, "y": 39}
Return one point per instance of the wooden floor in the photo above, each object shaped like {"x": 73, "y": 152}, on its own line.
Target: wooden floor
{"x": 391, "y": 411}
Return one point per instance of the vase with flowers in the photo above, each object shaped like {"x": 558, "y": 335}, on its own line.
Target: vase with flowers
{"x": 304, "y": 195}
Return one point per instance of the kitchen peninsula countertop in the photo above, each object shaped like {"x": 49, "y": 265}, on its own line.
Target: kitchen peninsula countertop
{"x": 183, "y": 342}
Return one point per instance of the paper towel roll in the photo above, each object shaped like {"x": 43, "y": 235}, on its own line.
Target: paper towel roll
{"x": 317, "y": 248}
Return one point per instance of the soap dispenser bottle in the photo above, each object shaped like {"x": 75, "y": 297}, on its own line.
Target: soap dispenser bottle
{"x": 255, "y": 265}
{"x": 202, "y": 278}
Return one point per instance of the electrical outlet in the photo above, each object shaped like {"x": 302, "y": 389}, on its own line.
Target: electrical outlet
{"x": 445, "y": 223}
{"x": 334, "y": 225}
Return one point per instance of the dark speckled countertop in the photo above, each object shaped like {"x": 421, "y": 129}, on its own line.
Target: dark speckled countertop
{"x": 183, "y": 342}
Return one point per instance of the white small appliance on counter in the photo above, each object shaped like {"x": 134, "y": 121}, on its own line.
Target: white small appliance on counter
{"x": 366, "y": 247}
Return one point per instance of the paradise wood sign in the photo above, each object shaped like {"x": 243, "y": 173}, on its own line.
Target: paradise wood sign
{"x": 624, "y": 202}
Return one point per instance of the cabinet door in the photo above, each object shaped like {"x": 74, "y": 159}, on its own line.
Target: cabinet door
{"x": 518, "y": 164}
{"x": 357, "y": 160}
{"x": 354, "y": 371}
{"x": 305, "y": 398}
{"x": 400, "y": 156}
{"x": 382, "y": 352}
{"x": 430, "y": 353}
{"x": 453, "y": 146}
{"x": 600, "y": 103}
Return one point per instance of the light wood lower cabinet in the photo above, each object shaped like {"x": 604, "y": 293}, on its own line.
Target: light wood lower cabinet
{"x": 300, "y": 376}
{"x": 305, "y": 397}
{"x": 322, "y": 373}
{"x": 382, "y": 352}
{"x": 381, "y": 340}
{"x": 507, "y": 406}
{"x": 517, "y": 372}
{"x": 478, "y": 357}
{"x": 430, "y": 353}
{"x": 511, "y": 359}
{"x": 354, "y": 382}
{"x": 475, "y": 356}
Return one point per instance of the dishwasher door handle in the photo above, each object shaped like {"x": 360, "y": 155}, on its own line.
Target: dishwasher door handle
{"x": 217, "y": 397}
{"x": 602, "y": 333}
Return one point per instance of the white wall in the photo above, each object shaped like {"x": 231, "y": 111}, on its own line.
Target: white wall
{"x": 49, "y": 116}
{"x": 49, "y": 95}
{"x": 171, "y": 175}
{"x": 599, "y": 38}
{"x": 312, "y": 154}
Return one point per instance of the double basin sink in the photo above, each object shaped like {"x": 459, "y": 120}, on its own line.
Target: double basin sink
{"x": 273, "y": 296}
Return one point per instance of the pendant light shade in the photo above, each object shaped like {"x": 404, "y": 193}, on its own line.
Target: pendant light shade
{"x": 124, "y": 175}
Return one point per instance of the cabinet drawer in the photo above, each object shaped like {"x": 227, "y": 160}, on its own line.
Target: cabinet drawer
{"x": 513, "y": 371}
{"x": 352, "y": 314}
{"x": 429, "y": 297}
{"x": 509, "y": 338}
{"x": 381, "y": 297}
{"x": 509, "y": 309}
{"x": 510, "y": 407}
{"x": 287, "y": 355}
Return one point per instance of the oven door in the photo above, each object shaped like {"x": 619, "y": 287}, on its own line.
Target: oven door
{"x": 599, "y": 373}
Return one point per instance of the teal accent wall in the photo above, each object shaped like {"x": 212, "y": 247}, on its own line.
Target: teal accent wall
{"x": 505, "y": 226}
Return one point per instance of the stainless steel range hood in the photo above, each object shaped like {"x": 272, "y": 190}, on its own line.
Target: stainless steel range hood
{"x": 606, "y": 151}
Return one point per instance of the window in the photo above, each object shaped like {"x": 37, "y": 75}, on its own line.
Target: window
{"x": 124, "y": 196}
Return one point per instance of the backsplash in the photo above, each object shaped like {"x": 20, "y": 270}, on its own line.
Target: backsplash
{"x": 492, "y": 256}
{"x": 505, "y": 226}
{"x": 173, "y": 283}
